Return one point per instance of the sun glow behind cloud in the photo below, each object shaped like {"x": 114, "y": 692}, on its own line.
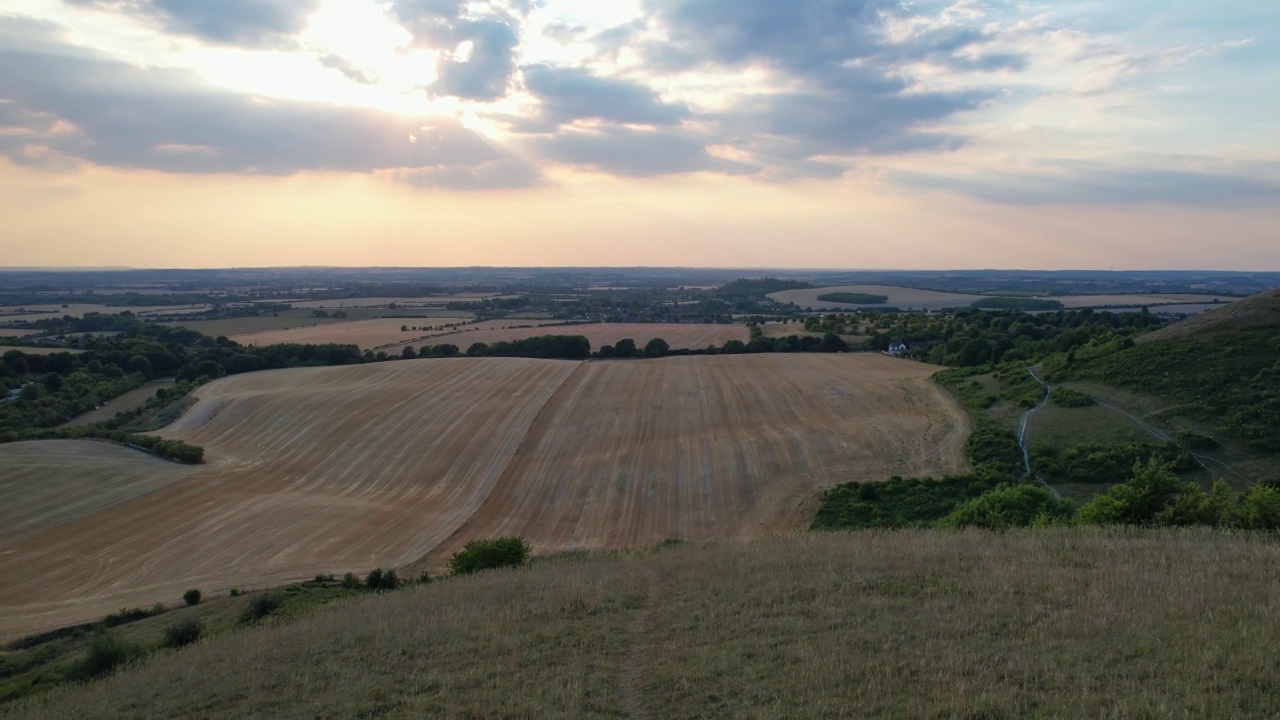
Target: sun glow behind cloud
{"x": 861, "y": 132}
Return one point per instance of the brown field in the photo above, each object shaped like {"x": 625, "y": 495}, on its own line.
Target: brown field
{"x": 1113, "y": 623}
{"x": 44, "y": 312}
{"x": 131, "y": 400}
{"x": 368, "y": 334}
{"x": 600, "y": 334}
{"x": 35, "y": 350}
{"x": 398, "y": 464}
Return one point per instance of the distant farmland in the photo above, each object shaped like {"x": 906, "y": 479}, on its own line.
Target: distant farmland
{"x": 332, "y": 469}
{"x": 677, "y": 335}
{"x": 905, "y": 298}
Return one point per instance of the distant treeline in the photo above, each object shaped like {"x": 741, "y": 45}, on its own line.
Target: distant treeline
{"x": 578, "y": 347}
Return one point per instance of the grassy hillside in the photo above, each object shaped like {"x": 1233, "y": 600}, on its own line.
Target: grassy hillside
{"x": 1221, "y": 368}
{"x": 921, "y": 624}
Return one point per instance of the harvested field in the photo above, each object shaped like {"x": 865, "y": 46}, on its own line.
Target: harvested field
{"x": 903, "y": 298}
{"x": 47, "y": 484}
{"x": 131, "y": 400}
{"x": 368, "y": 334}
{"x": 45, "y": 312}
{"x": 600, "y": 334}
{"x": 1083, "y": 301}
{"x": 331, "y": 469}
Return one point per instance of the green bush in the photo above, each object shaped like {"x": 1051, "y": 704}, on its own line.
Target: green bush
{"x": 1150, "y": 497}
{"x": 1068, "y": 398}
{"x": 183, "y": 632}
{"x": 261, "y": 606}
{"x": 1010, "y": 506}
{"x": 106, "y": 653}
{"x": 488, "y": 554}
{"x": 350, "y": 581}
{"x": 192, "y": 596}
{"x": 896, "y": 502}
{"x": 379, "y": 579}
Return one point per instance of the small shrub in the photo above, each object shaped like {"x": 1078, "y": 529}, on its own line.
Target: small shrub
{"x": 424, "y": 578}
{"x": 1068, "y": 398}
{"x": 106, "y": 653}
{"x": 183, "y": 632}
{"x": 235, "y": 592}
{"x": 192, "y": 596}
{"x": 488, "y": 554}
{"x": 350, "y": 581}
{"x": 1010, "y": 506}
{"x": 261, "y": 606}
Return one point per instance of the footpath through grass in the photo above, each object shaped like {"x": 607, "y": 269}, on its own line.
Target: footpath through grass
{"x": 1115, "y": 623}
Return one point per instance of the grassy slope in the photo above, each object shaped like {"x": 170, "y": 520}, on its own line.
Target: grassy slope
{"x": 1220, "y": 368}
{"x": 1052, "y": 623}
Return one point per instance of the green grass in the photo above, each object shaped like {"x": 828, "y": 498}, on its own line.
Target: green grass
{"x": 1050, "y": 623}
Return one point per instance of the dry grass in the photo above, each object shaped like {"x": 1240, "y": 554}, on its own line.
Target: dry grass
{"x": 330, "y": 469}
{"x": 1047, "y": 624}
{"x": 1261, "y": 310}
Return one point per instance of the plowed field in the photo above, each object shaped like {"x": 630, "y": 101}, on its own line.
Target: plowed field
{"x": 333, "y": 469}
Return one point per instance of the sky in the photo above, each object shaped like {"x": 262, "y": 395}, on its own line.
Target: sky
{"x": 732, "y": 133}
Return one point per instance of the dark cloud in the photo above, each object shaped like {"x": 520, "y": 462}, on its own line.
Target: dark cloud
{"x": 348, "y": 69}
{"x": 568, "y": 94}
{"x": 1072, "y": 183}
{"x": 563, "y": 33}
{"x": 636, "y": 153}
{"x": 848, "y": 94}
{"x": 486, "y": 74}
{"x": 77, "y": 105}
{"x": 249, "y": 23}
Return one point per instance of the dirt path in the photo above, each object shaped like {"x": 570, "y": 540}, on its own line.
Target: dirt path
{"x": 641, "y": 652}
{"x": 1025, "y": 425}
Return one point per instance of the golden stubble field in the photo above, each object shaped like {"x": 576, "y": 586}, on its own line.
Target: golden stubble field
{"x": 399, "y": 464}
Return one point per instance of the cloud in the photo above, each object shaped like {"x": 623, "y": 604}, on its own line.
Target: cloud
{"x": 636, "y": 153}
{"x": 491, "y": 37}
{"x": 72, "y": 104}
{"x": 348, "y": 69}
{"x": 1097, "y": 183}
{"x": 568, "y": 94}
{"x": 841, "y": 79}
{"x": 247, "y": 23}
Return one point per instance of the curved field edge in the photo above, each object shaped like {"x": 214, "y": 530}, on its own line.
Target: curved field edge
{"x": 1047, "y": 623}
{"x": 318, "y": 470}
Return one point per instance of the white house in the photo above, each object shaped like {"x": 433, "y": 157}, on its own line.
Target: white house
{"x": 896, "y": 349}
